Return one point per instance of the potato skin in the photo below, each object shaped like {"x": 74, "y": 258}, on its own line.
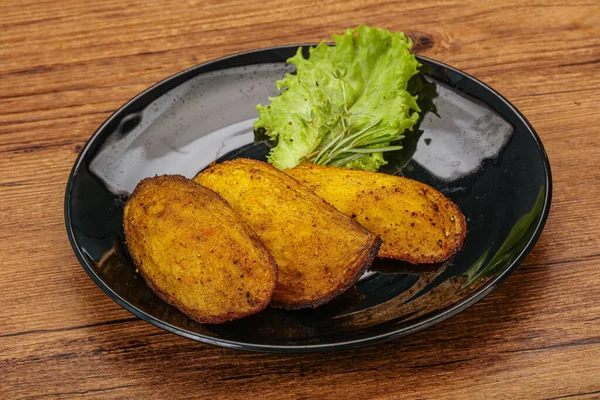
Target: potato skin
{"x": 417, "y": 223}
{"x": 195, "y": 253}
{"x": 319, "y": 251}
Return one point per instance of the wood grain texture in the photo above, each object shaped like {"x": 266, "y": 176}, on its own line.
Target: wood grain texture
{"x": 65, "y": 66}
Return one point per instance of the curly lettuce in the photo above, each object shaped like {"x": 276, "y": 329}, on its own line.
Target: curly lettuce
{"x": 346, "y": 105}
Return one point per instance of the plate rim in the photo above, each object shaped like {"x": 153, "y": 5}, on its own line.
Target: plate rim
{"x": 420, "y": 323}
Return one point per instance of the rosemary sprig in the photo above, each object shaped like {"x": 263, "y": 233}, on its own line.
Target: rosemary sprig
{"x": 346, "y": 146}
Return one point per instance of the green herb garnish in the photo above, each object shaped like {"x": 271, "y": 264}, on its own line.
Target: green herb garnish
{"x": 346, "y": 105}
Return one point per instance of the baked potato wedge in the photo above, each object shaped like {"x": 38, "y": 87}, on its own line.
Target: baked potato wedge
{"x": 195, "y": 253}
{"x": 319, "y": 251}
{"x": 417, "y": 223}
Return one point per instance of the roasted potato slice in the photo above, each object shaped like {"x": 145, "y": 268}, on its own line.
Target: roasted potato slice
{"x": 417, "y": 223}
{"x": 319, "y": 251}
{"x": 195, "y": 253}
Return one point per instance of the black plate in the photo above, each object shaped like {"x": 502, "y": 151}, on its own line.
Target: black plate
{"x": 474, "y": 146}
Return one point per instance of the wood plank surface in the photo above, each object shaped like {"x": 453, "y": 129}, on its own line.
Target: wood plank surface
{"x": 65, "y": 66}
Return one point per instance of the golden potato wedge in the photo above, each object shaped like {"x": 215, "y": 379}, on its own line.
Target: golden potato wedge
{"x": 195, "y": 253}
{"x": 319, "y": 251}
{"x": 417, "y": 223}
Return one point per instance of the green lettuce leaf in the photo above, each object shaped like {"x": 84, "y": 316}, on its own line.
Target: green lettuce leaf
{"x": 346, "y": 105}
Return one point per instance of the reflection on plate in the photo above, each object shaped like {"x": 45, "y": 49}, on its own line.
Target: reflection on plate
{"x": 471, "y": 144}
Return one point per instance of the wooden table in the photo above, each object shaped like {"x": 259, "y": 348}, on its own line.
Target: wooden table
{"x": 65, "y": 66}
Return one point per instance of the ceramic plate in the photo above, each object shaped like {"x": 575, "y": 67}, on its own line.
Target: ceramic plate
{"x": 472, "y": 145}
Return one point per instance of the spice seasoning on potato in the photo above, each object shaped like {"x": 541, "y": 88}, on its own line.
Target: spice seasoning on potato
{"x": 417, "y": 223}
{"x": 195, "y": 253}
{"x": 320, "y": 252}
